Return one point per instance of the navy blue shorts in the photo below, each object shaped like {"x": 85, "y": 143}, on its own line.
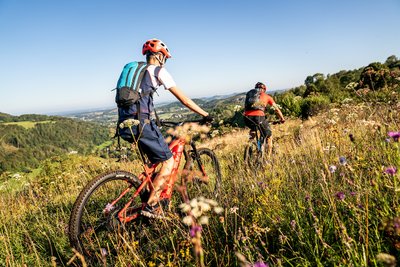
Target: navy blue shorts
{"x": 151, "y": 141}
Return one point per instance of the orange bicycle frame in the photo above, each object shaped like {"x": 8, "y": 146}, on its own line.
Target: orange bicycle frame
{"x": 177, "y": 147}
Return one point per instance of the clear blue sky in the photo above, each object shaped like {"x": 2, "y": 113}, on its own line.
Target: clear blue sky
{"x": 67, "y": 55}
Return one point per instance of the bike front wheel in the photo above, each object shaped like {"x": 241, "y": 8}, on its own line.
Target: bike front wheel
{"x": 94, "y": 225}
{"x": 204, "y": 174}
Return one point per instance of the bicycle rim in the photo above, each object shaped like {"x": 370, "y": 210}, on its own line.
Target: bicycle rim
{"x": 95, "y": 229}
{"x": 197, "y": 185}
{"x": 253, "y": 157}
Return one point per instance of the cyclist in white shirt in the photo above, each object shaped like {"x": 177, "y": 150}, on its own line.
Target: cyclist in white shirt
{"x": 151, "y": 140}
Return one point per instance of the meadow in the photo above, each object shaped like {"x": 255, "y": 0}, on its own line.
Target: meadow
{"x": 27, "y": 124}
{"x": 328, "y": 197}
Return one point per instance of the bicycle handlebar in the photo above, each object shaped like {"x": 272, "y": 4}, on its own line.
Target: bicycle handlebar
{"x": 180, "y": 123}
{"x": 274, "y": 122}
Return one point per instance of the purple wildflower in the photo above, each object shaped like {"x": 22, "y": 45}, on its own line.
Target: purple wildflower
{"x": 104, "y": 252}
{"x": 394, "y": 135}
{"x": 391, "y": 170}
{"x": 260, "y": 264}
{"x": 194, "y": 230}
{"x": 387, "y": 140}
{"x": 353, "y": 193}
{"x": 340, "y": 195}
{"x": 342, "y": 160}
{"x": 307, "y": 198}
{"x": 332, "y": 168}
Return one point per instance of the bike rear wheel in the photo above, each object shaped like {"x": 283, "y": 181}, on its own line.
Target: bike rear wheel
{"x": 197, "y": 185}
{"x": 254, "y": 157}
{"x": 94, "y": 225}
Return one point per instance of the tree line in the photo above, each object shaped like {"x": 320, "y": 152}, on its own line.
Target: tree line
{"x": 377, "y": 82}
{"x": 22, "y": 149}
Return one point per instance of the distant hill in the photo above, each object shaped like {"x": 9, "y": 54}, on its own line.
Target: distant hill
{"x": 27, "y": 139}
{"x": 108, "y": 117}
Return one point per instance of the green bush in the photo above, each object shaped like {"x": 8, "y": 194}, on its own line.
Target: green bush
{"x": 313, "y": 104}
{"x": 290, "y": 103}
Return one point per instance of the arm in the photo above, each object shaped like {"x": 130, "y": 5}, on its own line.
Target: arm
{"x": 278, "y": 112}
{"x": 270, "y": 101}
{"x": 187, "y": 101}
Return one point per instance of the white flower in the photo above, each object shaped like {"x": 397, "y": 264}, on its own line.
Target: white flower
{"x": 185, "y": 207}
{"x": 203, "y": 220}
{"x": 194, "y": 203}
{"x": 188, "y": 220}
{"x": 218, "y": 210}
{"x": 196, "y": 212}
{"x": 212, "y": 202}
{"x": 233, "y": 210}
{"x": 204, "y": 206}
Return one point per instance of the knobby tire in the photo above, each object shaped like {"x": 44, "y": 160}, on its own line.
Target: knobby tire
{"x": 196, "y": 186}
{"x": 91, "y": 231}
{"x": 253, "y": 157}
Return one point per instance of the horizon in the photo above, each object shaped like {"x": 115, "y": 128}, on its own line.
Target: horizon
{"x": 97, "y": 109}
{"x": 53, "y": 63}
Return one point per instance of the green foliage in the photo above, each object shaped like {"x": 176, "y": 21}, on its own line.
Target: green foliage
{"x": 23, "y": 148}
{"x": 290, "y": 103}
{"x": 375, "y": 76}
{"x": 312, "y": 105}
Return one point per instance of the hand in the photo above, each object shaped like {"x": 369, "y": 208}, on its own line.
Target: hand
{"x": 207, "y": 119}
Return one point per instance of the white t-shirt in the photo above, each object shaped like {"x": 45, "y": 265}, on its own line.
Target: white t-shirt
{"x": 151, "y": 82}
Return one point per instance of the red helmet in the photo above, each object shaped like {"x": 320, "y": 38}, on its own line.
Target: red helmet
{"x": 155, "y": 45}
{"x": 261, "y": 86}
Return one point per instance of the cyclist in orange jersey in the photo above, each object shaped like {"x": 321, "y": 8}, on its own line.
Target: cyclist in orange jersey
{"x": 255, "y": 104}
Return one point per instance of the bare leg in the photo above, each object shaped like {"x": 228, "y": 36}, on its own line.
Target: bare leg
{"x": 160, "y": 181}
{"x": 269, "y": 152}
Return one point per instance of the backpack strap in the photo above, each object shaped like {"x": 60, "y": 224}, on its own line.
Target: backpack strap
{"x": 157, "y": 72}
{"x": 150, "y": 92}
{"x": 138, "y": 76}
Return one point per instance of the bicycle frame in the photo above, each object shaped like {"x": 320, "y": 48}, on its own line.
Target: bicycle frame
{"x": 177, "y": 147}
{"x": 259, "y": 138}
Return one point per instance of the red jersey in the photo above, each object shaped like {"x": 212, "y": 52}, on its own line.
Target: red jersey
{"x": 265, "y": 99}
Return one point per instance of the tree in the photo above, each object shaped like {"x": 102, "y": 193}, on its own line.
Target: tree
{"x": 392, "y": 62}
{"x": 375, "y": 76}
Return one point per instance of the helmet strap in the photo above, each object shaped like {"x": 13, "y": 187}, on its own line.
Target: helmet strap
{"x": 162, "y": 60}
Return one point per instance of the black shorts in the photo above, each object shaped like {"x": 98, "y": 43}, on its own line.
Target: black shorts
{"x": 151, "y": 141}
{"x": 258, "y": 121}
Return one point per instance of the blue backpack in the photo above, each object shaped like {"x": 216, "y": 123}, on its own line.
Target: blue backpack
{"x": 128, "y": 86}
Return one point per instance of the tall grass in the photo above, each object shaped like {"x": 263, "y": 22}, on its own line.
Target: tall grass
{"x": 330, "y": 197}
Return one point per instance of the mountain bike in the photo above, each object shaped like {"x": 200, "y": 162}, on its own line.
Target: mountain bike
{"x": 115, "y": 199}
{"x": 256, "y": 151}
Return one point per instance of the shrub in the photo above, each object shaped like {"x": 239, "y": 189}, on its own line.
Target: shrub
{"x": 313, "y": 104}
{"x": 291, "y": 104}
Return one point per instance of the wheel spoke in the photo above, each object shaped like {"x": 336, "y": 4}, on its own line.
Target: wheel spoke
{"x": 207, "y": 185}
{"x": 94, "y": 224}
